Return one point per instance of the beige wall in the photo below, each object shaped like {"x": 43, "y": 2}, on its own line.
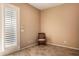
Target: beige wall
{"x": 29, "y": 18}
{"x": 61, "y": 25}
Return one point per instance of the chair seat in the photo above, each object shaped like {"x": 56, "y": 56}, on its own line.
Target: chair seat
{"x": 41, "y": 39}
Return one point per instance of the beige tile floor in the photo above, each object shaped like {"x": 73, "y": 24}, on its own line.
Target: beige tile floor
{"x": 48, "y": 50}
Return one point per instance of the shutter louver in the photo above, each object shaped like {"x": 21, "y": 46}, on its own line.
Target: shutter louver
{"x": 10, "y": 28}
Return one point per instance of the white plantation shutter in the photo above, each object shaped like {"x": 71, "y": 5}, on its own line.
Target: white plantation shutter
{"x": 9, "y": 29}
{"x": 0, "y": 29}
{"x": 0, "y": 32}
{"x": 10, "y": 35}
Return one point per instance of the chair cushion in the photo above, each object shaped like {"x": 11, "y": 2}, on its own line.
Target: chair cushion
{"x": 41, "y": 39}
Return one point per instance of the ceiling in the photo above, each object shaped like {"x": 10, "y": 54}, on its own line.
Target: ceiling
{"x": 43, "y": 6}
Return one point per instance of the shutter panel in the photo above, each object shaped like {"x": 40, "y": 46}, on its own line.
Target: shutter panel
{"x": 0, "y": 32}
{"x": 0, "y": 29}
{"x": 10, "y": 36}
{"x": 9, "y": 29}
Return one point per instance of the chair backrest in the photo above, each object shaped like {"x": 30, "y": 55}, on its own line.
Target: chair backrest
{"x": 41, "y": 36}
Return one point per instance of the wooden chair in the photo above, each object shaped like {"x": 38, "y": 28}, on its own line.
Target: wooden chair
{"x": 41, "y": 39}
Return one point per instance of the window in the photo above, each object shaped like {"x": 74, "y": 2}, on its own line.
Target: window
{"x": 9, "y": 28}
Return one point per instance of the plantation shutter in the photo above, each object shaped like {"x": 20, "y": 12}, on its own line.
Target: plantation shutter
{"x": 9, "y": 28}
{"x": 0, "y": 31}
{"x": 10, "y": 35}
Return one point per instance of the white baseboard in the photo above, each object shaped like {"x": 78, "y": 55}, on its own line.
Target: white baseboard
{"x": 64, "y": 46}
{"x": 33, "y": 44}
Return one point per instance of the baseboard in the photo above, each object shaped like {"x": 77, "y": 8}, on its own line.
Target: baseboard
{"x": 64, "y": 46}
{"x": 30, "y": 45}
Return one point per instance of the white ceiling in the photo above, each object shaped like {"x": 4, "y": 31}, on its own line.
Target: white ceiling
{"x": 43, "y": 6}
